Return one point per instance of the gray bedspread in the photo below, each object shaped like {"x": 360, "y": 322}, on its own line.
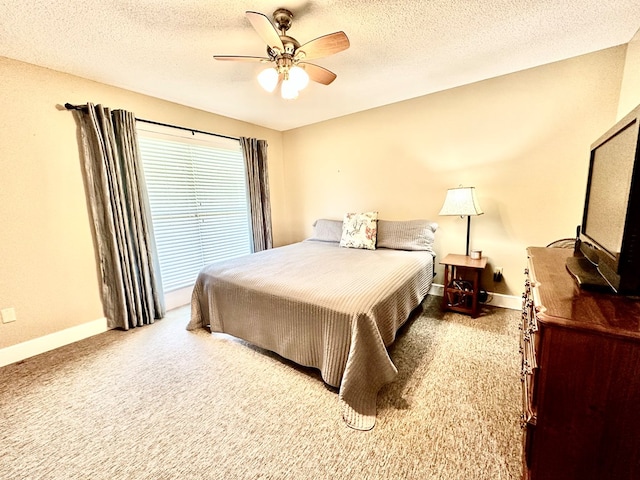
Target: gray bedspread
{"x": 319, "y": 305}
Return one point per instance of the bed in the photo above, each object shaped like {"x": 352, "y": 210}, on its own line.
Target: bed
{"x": 324, "y": 305}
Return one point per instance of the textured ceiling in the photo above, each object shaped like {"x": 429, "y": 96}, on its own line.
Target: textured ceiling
{"x": 400, "y": 49}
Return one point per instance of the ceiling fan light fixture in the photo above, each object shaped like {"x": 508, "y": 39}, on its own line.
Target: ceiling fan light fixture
{"x": 287, "y": 54}
{"x": 288, "y": 89}
{"x": 299, "y": 77}
{"x": 268, "y": 79}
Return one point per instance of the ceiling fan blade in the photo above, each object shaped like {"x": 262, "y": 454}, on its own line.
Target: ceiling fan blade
{"x": 266, "y": 30}
{"x": 319, "y": 74}
{"x": 240, "y": 58}
{"x": 324, "y": 46}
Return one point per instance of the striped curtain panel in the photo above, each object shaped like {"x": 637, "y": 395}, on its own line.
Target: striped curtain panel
{"x": 131, "y": 286}
{"x": 255, "y": 157}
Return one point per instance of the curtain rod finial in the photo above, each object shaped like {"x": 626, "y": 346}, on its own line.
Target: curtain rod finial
{"x": 70, "y": 106}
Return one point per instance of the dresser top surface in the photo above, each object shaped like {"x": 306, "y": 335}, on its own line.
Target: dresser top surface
{"x": 562, "y": 302}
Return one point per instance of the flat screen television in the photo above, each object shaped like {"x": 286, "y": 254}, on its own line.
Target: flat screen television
{"x": 609, "y": 238}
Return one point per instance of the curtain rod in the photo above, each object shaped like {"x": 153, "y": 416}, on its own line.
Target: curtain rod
{"x": 69, "y": 106}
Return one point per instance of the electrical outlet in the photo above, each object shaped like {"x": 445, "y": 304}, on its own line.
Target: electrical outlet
{"x": 497, "y": 274}
{"x": 8, "y": 315}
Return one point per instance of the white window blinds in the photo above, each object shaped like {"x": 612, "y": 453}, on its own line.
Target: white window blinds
{"x": 198, "y": 198}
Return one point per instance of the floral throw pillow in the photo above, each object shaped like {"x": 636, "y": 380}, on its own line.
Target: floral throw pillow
{"x": 359, "y": 230}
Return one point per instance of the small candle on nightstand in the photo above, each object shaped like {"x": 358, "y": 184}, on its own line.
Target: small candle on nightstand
{"x": 476, "y": 254}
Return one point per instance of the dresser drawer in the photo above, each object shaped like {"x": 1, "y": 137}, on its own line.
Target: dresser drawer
{"x": 528, "y": 376}
{"x": 529, "y": 344}
{"x": 529, "y": 340}
{"x": 527, "y": 420}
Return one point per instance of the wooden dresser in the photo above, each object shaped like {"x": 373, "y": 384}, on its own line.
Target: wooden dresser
{"x": 580, "y": 376}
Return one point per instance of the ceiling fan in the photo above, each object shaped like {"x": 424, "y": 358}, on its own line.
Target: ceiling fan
{"x": 289, "y": 57}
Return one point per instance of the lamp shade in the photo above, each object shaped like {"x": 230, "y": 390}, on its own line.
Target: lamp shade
{"x": 461, "y": 201}
{"x": 288, "y": 89}
{"x": 299, "y": 77}
{"x": 268, "y": 79}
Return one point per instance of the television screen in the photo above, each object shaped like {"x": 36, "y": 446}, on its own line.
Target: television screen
{"x": 609, "y": 189}
{"x": 608, "y": 256}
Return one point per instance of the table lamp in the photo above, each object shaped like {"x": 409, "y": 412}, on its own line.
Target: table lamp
{"x": 462, "y": 201}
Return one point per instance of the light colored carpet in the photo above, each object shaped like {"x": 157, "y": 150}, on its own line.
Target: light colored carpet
{"x": 159, "y": 402}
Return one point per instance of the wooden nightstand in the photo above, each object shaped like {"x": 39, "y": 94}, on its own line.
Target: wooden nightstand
{"x": 462, "y": 283}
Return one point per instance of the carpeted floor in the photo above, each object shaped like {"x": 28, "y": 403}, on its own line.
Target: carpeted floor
{"x": 163, "y": 403}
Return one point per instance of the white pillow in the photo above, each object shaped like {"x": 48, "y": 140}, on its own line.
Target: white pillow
{"x": 359, "y": 230}
{"x": 407, "y": 234}
{"x": 325, "y": 230}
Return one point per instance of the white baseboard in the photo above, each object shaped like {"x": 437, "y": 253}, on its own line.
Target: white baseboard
{"x": 39, "y": 345}
{"x": 178, "y": 298}
{"x": 436, "y": 289}
{"x": 512, "y": 302}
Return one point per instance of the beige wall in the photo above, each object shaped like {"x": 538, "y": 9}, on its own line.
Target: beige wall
{"x": 522, "y": 140}
{"x": 48, "y": 270}
{"x": 630, "y": 90}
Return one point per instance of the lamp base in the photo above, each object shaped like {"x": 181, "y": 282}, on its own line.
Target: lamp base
{"x": 468, "y": 230}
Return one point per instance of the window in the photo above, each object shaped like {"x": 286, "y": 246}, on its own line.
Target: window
{"x": 198, "y": 197}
